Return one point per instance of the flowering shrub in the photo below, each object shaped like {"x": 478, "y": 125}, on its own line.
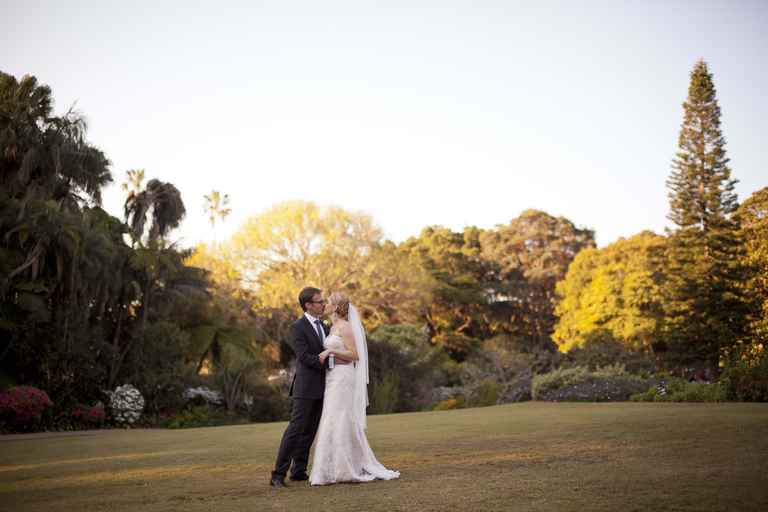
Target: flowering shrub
{"x": 126, "y": 404}
{"x": 91, "y": 415}
{"x": 22, "y": 407}
{"x": 203, "y": 394}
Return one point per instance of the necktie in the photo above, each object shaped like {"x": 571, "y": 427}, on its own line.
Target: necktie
{"x": 319, "y": 330}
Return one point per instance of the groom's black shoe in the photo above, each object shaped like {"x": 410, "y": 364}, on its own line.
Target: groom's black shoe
{"x": 277, "y": 481}
{"x": 300, "y": 477}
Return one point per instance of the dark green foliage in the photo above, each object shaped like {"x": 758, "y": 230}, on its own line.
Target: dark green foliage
{"x": 706, "y": 310}
{"x": 455, "y": 318}
{"x": 578, "y": 384}
{"x": 753, "y": 217}
{"x": 44, "y": 156}
{"x": 163, "y": 200}
{"x": 269, "y": 404}
{"x": 680, "y": 390}
{"x": 746, "y": 377}
{"x": 498, "y": 281}
{"x": 486, "y": 393}
{"x": 202, "y": 416}
{"x": 603, "y": 350}
{"x": 385, "y": 395}
{"x": 504, "y": 369}
{"x": 404, "y": 369}
{"x": 156, "y": 366}
{"x": 76, "y": 301}
{"x": 525, "y": 260}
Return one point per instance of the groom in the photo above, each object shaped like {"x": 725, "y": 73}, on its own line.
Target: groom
{"x": 307, "y": 389}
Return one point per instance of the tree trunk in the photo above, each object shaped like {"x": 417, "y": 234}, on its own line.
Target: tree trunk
{"x": 117, "y": 359}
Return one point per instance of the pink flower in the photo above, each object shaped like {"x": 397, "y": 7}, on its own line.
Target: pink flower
{"x": 23, "y": 404}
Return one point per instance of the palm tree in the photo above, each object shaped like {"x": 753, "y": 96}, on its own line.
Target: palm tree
{"x": 43, "y": 156}
{"x": 161, "y": 203}
{"x": 133, "y": 181}
{"x": 216, "y": 206}
{"x": 160, "y": 200}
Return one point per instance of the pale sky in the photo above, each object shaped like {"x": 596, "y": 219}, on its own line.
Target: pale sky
{"x": 418, "y": 113}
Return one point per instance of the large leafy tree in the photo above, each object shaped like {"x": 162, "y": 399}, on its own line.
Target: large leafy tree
{"x": 228, "y": 315}
{"x": 46, "y": 156}
{"x": 614, "y": 293}
{"x": 706, "y": 308}
{"x": 58, "y": 249}
{"x": 456, "y": 315}
{"x": 753, "y": 216}
{"x": 298, "y": 243}
{"x": 151, "y": 214}
{"x": 530, "y": 255}
{"x": 71, "y": 289}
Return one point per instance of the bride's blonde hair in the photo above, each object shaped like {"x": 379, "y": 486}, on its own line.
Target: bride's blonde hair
{"x": 341, "y": 302}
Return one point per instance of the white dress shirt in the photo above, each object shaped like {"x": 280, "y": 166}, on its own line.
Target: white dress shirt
{"x": 312, "y": 321}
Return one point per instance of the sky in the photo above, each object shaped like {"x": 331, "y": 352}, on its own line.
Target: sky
{"x": 451, "y": 113}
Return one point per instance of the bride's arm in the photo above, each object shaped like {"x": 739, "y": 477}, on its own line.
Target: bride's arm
{"x": 350, "y": 354}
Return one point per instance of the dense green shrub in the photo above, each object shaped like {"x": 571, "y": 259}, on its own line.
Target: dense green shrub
{"x": 504, "y": 370}
{"x": 746, "y": 377}
{"x": 603, "y": 351}
{"x": 269, "y": 404}
{"x": 404, "y": 369}
{"x": 203, "y": 416}
{"x": 610, "y": 383}
{"x": 680, "y": 390}
{"x": 161, "y": 347}
{"x": 485, "y": 394}
{"x": 700, "y": 392}
{"x": 386, "y": 395}
{"x": 558, "y": 378}
{"x": 648, "y": 395}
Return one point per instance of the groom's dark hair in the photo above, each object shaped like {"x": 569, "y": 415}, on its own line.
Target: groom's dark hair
{"x": 306, "y": 296}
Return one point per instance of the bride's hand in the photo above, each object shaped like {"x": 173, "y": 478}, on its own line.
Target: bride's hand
{"x": 323, "y": 355}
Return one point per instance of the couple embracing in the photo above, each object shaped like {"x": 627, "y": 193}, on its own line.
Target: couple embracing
{"x": 330, "y": 396}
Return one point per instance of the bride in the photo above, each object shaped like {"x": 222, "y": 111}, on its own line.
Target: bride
{"x": 342, "y": 452}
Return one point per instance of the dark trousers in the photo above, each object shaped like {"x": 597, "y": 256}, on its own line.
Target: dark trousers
{"x": 298, "y": 437}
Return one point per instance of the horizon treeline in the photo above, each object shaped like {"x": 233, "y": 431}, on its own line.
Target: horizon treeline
{"x": 89, "y": 300}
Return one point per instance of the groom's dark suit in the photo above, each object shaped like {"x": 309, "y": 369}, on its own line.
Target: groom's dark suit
{"x": 307, "y": 390}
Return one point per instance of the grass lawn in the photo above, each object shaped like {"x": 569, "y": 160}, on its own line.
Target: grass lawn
{"x": 531, "y": 456}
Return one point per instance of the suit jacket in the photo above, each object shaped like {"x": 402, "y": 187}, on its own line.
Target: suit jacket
{"x": 309, "y": 379}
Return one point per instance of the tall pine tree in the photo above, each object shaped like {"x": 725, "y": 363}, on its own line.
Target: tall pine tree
{"x": 706, "y": 308}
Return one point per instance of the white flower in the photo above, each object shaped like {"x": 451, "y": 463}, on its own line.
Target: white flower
{"x": 126, "y": 403}
{"x": 209, "y": 395}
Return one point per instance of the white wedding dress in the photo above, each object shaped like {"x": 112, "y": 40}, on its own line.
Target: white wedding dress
{"x": 342, "y": 452}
